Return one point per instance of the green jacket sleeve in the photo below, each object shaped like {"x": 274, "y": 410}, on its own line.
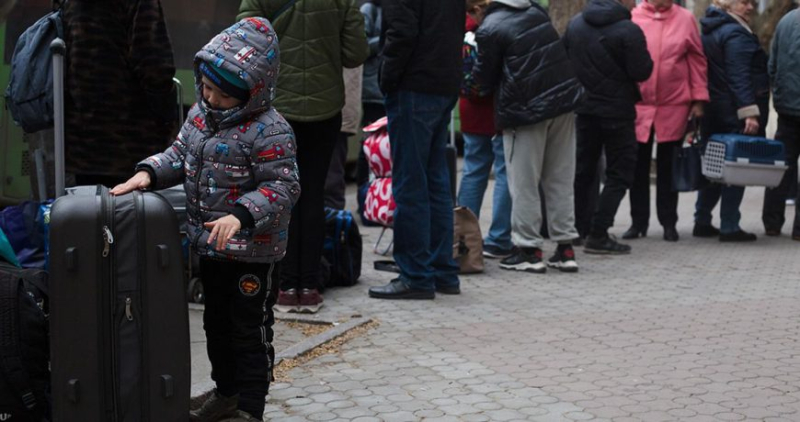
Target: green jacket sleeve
{"x": 355, "y": 49}
{"x": 256, "y": 8}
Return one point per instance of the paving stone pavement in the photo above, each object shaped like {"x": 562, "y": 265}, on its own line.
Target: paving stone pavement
{"x": 688, "y": 331}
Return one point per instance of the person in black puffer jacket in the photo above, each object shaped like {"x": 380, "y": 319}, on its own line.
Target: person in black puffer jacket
{"x": 610, "y": 56}
{"x": 738, "y": 84}
{"x": 521, "y": 56}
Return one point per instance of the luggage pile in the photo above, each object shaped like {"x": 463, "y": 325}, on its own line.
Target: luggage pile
{"x": 112, "y": 305}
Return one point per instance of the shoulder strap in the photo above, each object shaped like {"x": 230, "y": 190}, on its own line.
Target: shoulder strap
{"x": 10, "y": 359}
{"x": 283, "y": 8}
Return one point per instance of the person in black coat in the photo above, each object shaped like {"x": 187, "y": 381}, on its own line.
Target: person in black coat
{"x": 521, "y": 56}
{"x": 738, "y": 84}
{"x": 610, "y": 55}
{"x": 420, "y": 78}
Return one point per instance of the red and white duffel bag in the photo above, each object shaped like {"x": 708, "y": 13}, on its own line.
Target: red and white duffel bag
{"x": 379, "y": 205}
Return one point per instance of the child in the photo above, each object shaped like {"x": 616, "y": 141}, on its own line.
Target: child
{"x": 236, "y": 157}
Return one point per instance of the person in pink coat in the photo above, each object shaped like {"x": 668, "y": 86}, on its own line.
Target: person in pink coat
{"x": 676, "y": 91}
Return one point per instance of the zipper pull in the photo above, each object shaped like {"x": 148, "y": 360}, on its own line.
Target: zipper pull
{"x": 108, "y": 240}
{"x": 128, "y": 312}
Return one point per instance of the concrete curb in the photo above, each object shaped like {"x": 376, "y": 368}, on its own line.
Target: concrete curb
{"x": 311, "y": 343}
{"x": 201, "y": 388}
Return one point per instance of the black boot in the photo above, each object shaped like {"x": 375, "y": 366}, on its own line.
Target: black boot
{"x": 705, "y": 230}
{"x": 737, "y": 236}
{"x": 671, "y": 234}
{"x": 635, "y": 232}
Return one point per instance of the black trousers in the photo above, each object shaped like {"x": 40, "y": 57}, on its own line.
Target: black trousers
{"x": 315, "y": 144}
{"x": 238, "y": 321}
{"x": 774, "y": 212}
{"x": 618, "y": 139}
{"x": 335, "y": 184}
{"x": 666, "y": 197}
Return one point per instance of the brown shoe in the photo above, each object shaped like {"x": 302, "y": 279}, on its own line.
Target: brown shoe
{"x": 215, "y": 407}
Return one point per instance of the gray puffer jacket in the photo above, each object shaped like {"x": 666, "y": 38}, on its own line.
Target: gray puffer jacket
{"x": 241, "y": 157}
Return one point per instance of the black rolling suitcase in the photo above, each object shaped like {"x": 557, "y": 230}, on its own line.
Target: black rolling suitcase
{"x": 118, "y": 314}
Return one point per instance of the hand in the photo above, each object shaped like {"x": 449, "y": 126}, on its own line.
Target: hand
{"x": 223, "y": 230}
{"x": 697, "y": 109}
{"x": 751, "y": 126}
{"x": 140, "y": 180}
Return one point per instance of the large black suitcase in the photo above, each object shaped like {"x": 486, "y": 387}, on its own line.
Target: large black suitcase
{"x": 119, "y": 319}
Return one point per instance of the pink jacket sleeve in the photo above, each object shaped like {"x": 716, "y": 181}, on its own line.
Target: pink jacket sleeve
{"x": 698, "y": 67}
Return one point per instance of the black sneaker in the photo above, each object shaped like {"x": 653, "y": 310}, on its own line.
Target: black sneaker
{"x": 705, "y": 230}
{"x": 215, "y": 407}
{"x": 525, "y": 259}
{"x": 496, "y": 252}
{"x": 607, "y": 245}
{"x": 564, "y": 259}
{"x": 737, "y": 236}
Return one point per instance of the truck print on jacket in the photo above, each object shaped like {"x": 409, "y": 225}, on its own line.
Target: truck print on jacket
{"x": 241, "y": 157}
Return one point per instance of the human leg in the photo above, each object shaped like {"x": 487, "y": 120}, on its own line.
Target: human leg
{"x": 640, "y": 189}
{"x": 478, "y": 158}
{"x": 500, "y": 230}
{"x": 619, "y": 142}
{"x": 589, "y": 148}
{"x": 666, "y": 197}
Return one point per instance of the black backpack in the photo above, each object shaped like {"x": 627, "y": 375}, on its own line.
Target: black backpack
{"x": 342, "y": 248}
{"x": 24, "y": 346}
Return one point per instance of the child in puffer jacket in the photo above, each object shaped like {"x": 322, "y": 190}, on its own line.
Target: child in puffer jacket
{"x": 236, "y": 157}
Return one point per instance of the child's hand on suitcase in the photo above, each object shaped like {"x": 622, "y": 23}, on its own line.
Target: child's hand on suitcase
{"x": 140, "y": 180}
{"x": 223, "y": 230}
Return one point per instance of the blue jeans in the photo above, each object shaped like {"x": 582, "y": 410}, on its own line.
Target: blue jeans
{"x": 729, "y": 214}
{"x": 480, "y": 151}
{"x": 423, "y": 219}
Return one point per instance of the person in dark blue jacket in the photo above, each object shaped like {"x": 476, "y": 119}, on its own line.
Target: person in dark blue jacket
{"x": 784, "y": 60}
{"x": 738, "y": 85}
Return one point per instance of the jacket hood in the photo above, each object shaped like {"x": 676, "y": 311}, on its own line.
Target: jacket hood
{"x": 516, "y": 4}
{"x": 605, "y": 12}
{"x": 470, "y": 24}
{"x": 249, "y": 49}
{"x": 715, "y": 18}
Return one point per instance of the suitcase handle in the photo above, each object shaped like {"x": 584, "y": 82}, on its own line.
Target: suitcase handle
{"x": 74, "y": 390}
{"x": 71, "y": 258}
{"x": 167, "y": 386}
{"x": 58, "y": 48}
{"x": 162, "y": 251}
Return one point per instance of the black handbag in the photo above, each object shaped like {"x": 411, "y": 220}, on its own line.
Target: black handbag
{"x": 687, "y": 174}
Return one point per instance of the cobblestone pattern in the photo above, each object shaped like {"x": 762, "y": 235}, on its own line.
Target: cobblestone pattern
{"x": 690, "y": 331}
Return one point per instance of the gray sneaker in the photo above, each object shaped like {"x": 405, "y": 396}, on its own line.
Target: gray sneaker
{"x": 215, "y": 407}
{"x": 242, "y": 416}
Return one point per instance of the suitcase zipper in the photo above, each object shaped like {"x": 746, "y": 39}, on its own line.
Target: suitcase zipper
{"x": 108, "y": 205}
{"x": 128, "y": 312}
{"x": 138, "y": 202}
{"x": 108, "y": 240}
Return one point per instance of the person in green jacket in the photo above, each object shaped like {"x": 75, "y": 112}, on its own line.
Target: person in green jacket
{"x": 317, "y": 38}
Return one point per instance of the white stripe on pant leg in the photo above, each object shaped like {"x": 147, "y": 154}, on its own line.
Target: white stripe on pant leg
{"x": 264, "y": 309}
